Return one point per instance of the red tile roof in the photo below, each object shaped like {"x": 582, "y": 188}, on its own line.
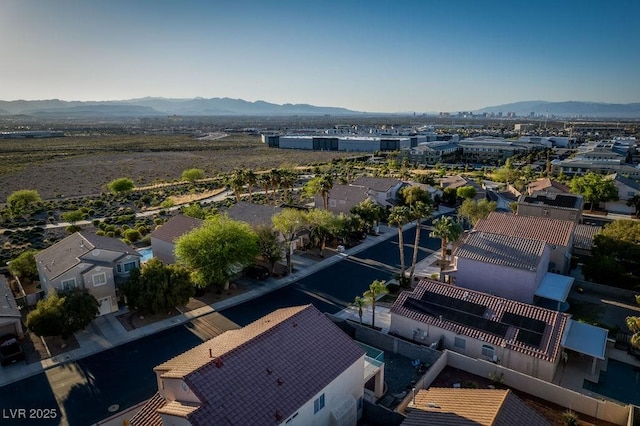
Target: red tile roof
{"x": 273, "y": 365}
{"x": 551, "y": 231}
{"x": 502, "y": 250}
{"x": 461, "y": 407}
{"x": 148, "y": 414}
{"x": 555, "y": 322}
{"x": 545, "y": 183}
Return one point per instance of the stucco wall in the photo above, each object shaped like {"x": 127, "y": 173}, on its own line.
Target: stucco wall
{"x": 163, "y": 250}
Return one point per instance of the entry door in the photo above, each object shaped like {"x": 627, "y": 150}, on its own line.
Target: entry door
{"x": 105, "y": 305}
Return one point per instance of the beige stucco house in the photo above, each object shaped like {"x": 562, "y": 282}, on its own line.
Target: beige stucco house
{"x": 87, "y": 261}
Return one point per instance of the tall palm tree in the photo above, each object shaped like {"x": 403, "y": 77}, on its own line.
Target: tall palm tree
{"x": 236, "y": 182}
{"x": 447, "y": 230}
{"x": 250, "y": 179}
{"x": 360, "y": 303}
{"x": 326, "y": 184}
{"x": 275, "y": 176}
{"x": 420, "y": 206}
{"x": 264, "y": 180}
{"x": 398, "y": 216}
{"x": 288, "y": 179}
{"x": 376, "y": 289}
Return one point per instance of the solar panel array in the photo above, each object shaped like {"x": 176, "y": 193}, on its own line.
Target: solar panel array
{"x": 567, "y": 201}
{"x": 471, "y": 314}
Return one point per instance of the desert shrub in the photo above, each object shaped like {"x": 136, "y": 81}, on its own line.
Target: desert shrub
{"x": 570, "y": 418}
{"x": 100, "y": 232}
{"x": 110, "y": 234}
{"x": 73, "y": 228}
{"x": 131, "y": 235}
{"x": 96, "y": 222}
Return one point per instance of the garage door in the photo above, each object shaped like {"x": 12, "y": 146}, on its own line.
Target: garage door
{"x": 105, "y": 305}
{"x": 9, "y": 328}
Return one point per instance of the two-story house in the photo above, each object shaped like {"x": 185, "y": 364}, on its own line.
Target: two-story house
{"x": 384, "y": 191}
{"x": 553, "y": 205}
{"x": 293, "y": 367}
{"x": 87, "y": 261}
{"x": 342, "y": 198}
{"x": 627, "y": 189}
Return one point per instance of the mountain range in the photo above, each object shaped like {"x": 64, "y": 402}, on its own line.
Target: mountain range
{"x": 149, "y": 107}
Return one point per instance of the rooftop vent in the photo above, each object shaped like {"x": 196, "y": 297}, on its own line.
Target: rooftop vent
{"x": 433, "y": 405}
{"x": 279, "y": 382}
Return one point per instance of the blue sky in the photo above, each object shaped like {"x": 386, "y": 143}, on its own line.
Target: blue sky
{"x": 377, "y": 56}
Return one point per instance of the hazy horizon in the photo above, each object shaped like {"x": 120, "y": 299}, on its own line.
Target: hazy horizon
{"x": 376, "y": 56}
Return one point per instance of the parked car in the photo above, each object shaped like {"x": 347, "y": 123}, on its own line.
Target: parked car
{"x": 257, "y": 272}
{"x": 10, "y": 349}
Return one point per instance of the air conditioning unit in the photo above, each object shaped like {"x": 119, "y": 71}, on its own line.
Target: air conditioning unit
{"x": 495, "y": 358}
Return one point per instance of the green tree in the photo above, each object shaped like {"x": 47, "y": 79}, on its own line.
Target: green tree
{"x": 217, "y": 250}
{"x": 251, "y": 179}
{"x": 63, "y": 314}
{"x": 288, "y": 179}
{"x": 269, "y": 246}
{"x": 20, "y": 202}
{"x": 420, "y": 207}
{"x": 275, "y": 177}
{"x": 448, "y": 231}
{"x": 369, "y": 211}
{"x": 507, "y": 173}
{"x": 635, "y": 202}
{"x": 192, "y": 175}
{"x": 237, "y": 181}
{"x": 157, "y": 288}
{"x": 322, "y": 224}
{"x": 289, "y": 222}
{"x": 399, "y": 216}
{"x": 320, "y": 185}
{"x": 466, "y": 192}
{"x": 265, "y": 183}
{"x": 633, "y": 323}
{"x": 24, "y": 266}
{"x": 120, "y": 186}
{"x": 360, "y": 303}
{"x": 594, "y": 188}
{"x": 194, "y": 210}
{"x": 73, "y": 216}
{"x": 376, "y": 289}
{"x": 473, "y": 211}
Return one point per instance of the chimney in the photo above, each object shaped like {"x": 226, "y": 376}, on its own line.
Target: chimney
{"x": 210, "y": 353}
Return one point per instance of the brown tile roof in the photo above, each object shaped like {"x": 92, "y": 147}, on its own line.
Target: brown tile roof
{"x": 461, "y": 407}
{"x": 502, "y": 250}
{"x": 554, "y": 322}
{"x": 148, "y": 414}
{"x": 545, "y": 183}
{"x": 273, "y": 365}
{"x": 176, "y": 227}
{"x": 351, "y": 193}
{"x": 69, "y": 252}
{"x": 456, "y": 181}
{"x": 376, "y": 183}
{"x": 253, "y": 214}
{"x": 584, "y": 235}
{"x": 551, "y": 231}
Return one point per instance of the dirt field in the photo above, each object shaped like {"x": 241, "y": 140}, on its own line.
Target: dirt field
{"x": 75, "y": 166}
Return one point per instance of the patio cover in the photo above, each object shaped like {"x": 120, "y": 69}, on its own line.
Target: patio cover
{"x": 555, "y": 287}
{"x": 585, "y": 339}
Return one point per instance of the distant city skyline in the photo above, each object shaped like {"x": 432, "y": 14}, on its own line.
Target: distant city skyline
{"x": 374, "y": 56}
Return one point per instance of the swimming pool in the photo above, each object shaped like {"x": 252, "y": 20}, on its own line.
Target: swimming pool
{"x": 620, "y": 382}
{"x": 146, "y": 253}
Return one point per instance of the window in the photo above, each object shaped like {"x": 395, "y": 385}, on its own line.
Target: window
{"x": 119, "y": 268}
{"x": 68, "y": 284}
{"x": 129, "y": 266}
{"x": 459, "y": 342}
{"x": 332, "y": 203}
{"x": 99, "y": 279}
{"x": 488, "y": 351}
{"x": 291, "y": 418}
{"x": 318, "y": 404}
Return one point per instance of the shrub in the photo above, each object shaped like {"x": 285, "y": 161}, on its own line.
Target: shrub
{"x": 570, "y": 418}
{"x": 131, "y": 235}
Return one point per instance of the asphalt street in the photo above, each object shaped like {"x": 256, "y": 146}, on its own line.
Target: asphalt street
{"x": 81, "y": 392}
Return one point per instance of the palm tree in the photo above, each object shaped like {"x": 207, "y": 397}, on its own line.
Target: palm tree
{"x": 326, "y": 183}
{"x": 275, "y": 177}
{"x": 264, "y": 180}
{"x": 376, "y": 289}
{"x": 398, "y": 216}
{"x": 236, "y": 182}
{"x": 288, "y": 179}
{"x": 250, "y": 179}
{"x": 420, "y": 205}
{"x": 360, "y": 303}
{"x": 447, "y": 230}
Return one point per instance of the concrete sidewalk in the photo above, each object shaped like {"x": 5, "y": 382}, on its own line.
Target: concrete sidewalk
{"x": 106, "y": 332}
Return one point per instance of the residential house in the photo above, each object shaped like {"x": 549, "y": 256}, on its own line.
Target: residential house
{"x": 627, "y": 189}
{"x": 552, "y": 205}
{"x": 293, "y": 367}
{"x": 547, "y": 186}
{"x": 557, "y": 234}
{"x": 342, "y": 198}
{"x": 516, "y": 335}
{"x": 458, "y": 181}
{"x": 253, "y": 214}
{"x": 583, "y": 238}
{"x": 87, "y": 261}
{"x": 382, "y": 190}
{"x": 481, "y": 407}
{"x": 163, "y": 239}
{"x": 10, "y": 317}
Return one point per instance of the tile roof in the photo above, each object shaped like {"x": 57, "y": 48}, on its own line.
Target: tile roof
{"x": 67, "y": 253}
{"x": 502, "y": 250}
{"x": 545, "y": 183}
{"x": 584, "y": 235}
{"x": 273, "y": 365}
{"x": 376, "y": 183}
{"x": 552, "y": 199}
{"x": 456, "y": 181}
{"x": 625, "y": 181}
{"x": 148, "y": 414}
{"x": 176, "y": 227}
{"x": 8, "y": 305}
{"x": 495, "y": 308}
{"x": 352, "y": 193}
{"x": 551, "y": 231}
{"x": 462, "y": 407}
{"x": 253, "y": 214}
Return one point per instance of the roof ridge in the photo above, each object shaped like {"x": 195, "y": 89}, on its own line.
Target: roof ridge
{"x": 503, "y": 400}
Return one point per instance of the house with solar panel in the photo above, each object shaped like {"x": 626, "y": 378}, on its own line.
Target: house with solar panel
{"x": 293, "y": 366}
{"x": 553, "y": 205}
{"x": 519, "y": 336}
